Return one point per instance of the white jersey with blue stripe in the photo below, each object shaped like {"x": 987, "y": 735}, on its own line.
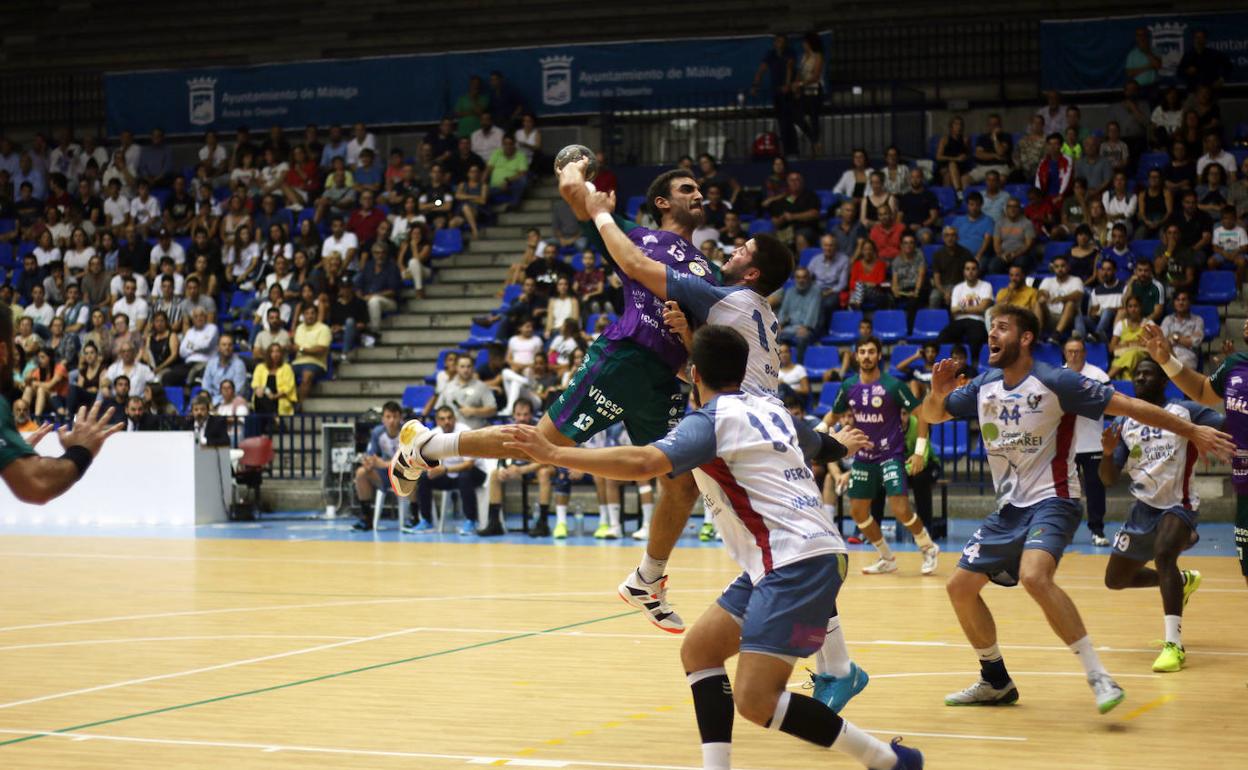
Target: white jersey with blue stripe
{"x": 750, "y": 463}
{"x": 1029, "y": 429}
{"x": 1159, "y": 462}
{"x": 743, "y": 309}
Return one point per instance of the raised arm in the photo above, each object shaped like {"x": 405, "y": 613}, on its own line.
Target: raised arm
{"x": 627, "y": 257}
{"x": 1194, "y": 385}
{"x": 944, "y": 378}
{"x": 1108, "y": 470}
{"x": 1207, "y": 440}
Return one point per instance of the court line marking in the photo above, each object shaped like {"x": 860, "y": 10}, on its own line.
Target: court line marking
{"x": 42, "y": 645}
{"x": 1050, "y": 647}
{"x": 272, "y": 688}
{"x": 1152, "y": 704}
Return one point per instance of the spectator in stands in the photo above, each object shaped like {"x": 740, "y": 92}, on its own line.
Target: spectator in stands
{"x": 270, "y": 331}
{"x": 1166, "y": 119}
{"x": 508, "y": 171}
{"x": 994, "y": 151}
{"x": 1185, "y": 330}
{"x": 132, "y": 305}
{"x": 215, "y": 159}
{"x": 243, "y": 260}
{"x": 562, "y": 306}
{"x": 780, "y": 66}
{"x": 1053, "y": 113}
{"x": 1126, "y": 347}
{"x": 849, "y": 233}
{"x": 1176, "y": 263}
{"x": 459, "y": 474}
{"x": 47, "y": 385}
{"x": 367, "y": 173}
{"x": 887, "y": 234}
{"x": 1114, "y": 148}
{"x": 379, "y": 285}
{"x": 471, "y": 195}
{"x": 1202, "y": 65}
{"x": 975, "y": 229}
{"x": 437, "y": 202}
{"x": 273, "y": 387}
{"x": 710, "y": 176}
{"x": 1142, "y": 64}
{"x": 1098, "y": 222}
{"x": 27, "y": 174}
{"x": 994, "y": 197}
{"x": 876, "y": 198}
{"x": 547, "y": 270}
{"x": 1030, "y": 148}
{"x": 1147, "y": 289}
{"x": 849, "y": 361}
{"x": 796, "y": 215}
{"x": 372, "y": 476}
{"x": 472, "y": 401}
{"x": 312, "y": 341}
{"x": 1054, "y": 173}
{"x": 156, "y": 161}
{"x": 226, "y": 365}
{"x": 340, "y": 194}
{"x": 122, "y": 334}
{"x": 529, "y": 141}
{"x": 1018, "y": 293}
{"x": 485, "y": 140}
{"x": 73, "y": 311}
{"x": 361, "y": 140}
{"x": 195, "y": 298}
{"x": 953, "y": 156}
{"x": 145, "y": 210}
{"x": 137, "y": 373}
{"x": 114, "y": 396}
{"x": 909, "y": 271}
{"x": 1229, "y": 245}
{"x": 732, "y": 230}
{"x": 1104, "y": 302}
{"x": 830, "y": 271}
{"x": 1195, "y": 226}
{"x": 1212, "y": 193}
{"x": 868, "y": 282}
{"x": 853, "y": 183}
{"x": 1155, "y": 205}
{"x": 413, "y": 258}
{"x": 800, "y": 312}
{"x": 591, "y": 285}
{"x": 523, "y": 348}
{"x": 116, "y": 206}
{"x": 336, "y": 147}
{"x": 208, "y": 429}
{"x": 40, "y": 311}
{"x": 1120, "y": 202}
{"x": 918, "y": 208}
{"x": 1085, "y": 254}
{"x": 947, "y": 268}
{"x": 160, "y": 352}
{"x": 470, "y": 107}
{"x": 99, "y": 332}
{"x": 1013, "y": 240}
{"x": 1042, "y": 213}
{"x": 1095, "y": 167}
{"x": 971, "y": 300}
{"x": 137, "y": 418}
{"x": 197, "y": 345}
{"x": 1062, "y": 295}
{"x": 233, "y": 407}
{"x": 456, "y": 168}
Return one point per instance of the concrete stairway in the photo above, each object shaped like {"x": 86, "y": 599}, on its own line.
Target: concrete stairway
{"x": 466, "y": 285}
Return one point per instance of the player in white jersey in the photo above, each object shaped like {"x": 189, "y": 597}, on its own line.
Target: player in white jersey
{"x": 1163, "y": 519}
{"x": 1027, "y": 411}
{"x": 750, "y": 463}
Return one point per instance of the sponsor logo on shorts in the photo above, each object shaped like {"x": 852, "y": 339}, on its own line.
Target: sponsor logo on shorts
{"x": 605, "y": 406}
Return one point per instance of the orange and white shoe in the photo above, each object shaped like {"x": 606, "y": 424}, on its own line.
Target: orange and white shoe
{"x": 651, "y": 598}
{"x": 412, "y": 437}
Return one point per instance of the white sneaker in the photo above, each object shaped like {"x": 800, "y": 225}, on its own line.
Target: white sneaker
{"x": 882, "y": 566}
{"x": 983, "y": 694}
{"x": 400, "y": 482}
{"x": 412, "y": 437}
{"x": 1108, "y": 693}
{"x": 642, "y": 534}
{"x": 1100, "y": 541}
{"x": 651, "y": 598}
{"x": 929, "y": 560}
{"x": 612, "y": 533}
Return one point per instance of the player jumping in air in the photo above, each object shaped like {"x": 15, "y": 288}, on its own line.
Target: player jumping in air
{"x": 1026, "y": 410}
{"x": 873, "y": 401}
{"x": 750, "y": 462}
{"x": 1163, "y": 519}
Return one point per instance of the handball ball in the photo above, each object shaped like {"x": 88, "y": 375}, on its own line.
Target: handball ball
{"x": 574, "y": 152}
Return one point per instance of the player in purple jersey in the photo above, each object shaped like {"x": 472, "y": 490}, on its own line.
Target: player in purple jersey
{"x": 1027, "y": 411}
{"x": 872, "y": 400}
{"x": 1226, "y": 387}
{"x": 629, "y": 375}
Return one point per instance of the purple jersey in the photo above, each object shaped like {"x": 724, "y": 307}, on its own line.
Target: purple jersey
{"x": 877, "y": 412}
{"x": 642, "y": 317}
{"x": 1230, "y": 381}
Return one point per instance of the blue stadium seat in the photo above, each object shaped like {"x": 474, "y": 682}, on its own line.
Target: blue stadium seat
{"x": 432, "y": 377}
{"x": 1049, "y": 354}
{"x": 947, "y": 197}
{"x": 28, "y": 247}
{"x": 1098, "y": 354}
{"x": 483, "y": 358}
{"x": 929, "y": 251}
{"x": 1054, "y": 249}
{"x": 1173, "y": 392}
{"x": 1149, "y": 161}
{"x": 1125, "y": 387}
{"x": 827, "y": 397}
{"x": 578, "y": 260}
{"x": 7, "y": 225}
{"x": 7, "y": 260}
{"x": 900, "y": 353}
{"x": 843, "y": 327}
{"x": 808, "y": 253}
{"x": 951, "y": 440}
{"x": 447, "y": 242}
{"x": 1018, "y": 191}
{"x": 819, "y": 359}
{"x": 890, "y": 325}
{"x": 240, "y": 299}
{"x": 1216, "y": 287}
{"x": 1213, "y": 324}
{"x": 633, "y": 208}
{"x": 510, "y": 293}
{"x": 928, "y": 324}
{"x": 997, "y": 282}
{"x": 762, "y": 225}
{"x": 416, "y": 396}
{"x": 480, "y": 335}
{"x": 827, "y": 199}
{"x": 176, "y": 397}
{"x": 1145, "y": 248}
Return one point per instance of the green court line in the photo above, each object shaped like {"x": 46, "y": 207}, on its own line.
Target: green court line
{"x": 321, "y": 678}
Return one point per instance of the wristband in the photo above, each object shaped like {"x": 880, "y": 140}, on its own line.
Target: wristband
{"x": 920, "y": 446}
{"x": 603, "y": 218}
{"x": 80, "y": 457}
{"x": 1172, "y": 367}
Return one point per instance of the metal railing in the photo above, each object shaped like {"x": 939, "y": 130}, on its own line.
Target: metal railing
{"x": 43, "y": 102}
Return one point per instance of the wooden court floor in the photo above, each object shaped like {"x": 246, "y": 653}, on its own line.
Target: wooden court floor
{"x": 132, "y": 653}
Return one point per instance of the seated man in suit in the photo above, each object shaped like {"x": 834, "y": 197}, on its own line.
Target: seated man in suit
{"x": 138, "y": 418}
{"x": 209, "y": 429}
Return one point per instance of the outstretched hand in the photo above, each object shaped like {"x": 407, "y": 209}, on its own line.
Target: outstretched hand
{"x": 1156, "y": 343}
{"x": 853, "y": 439}
{"x": 36, "y": 435}
{"x": 529, "y": 440}
{"x": 944, "y": 378}
{"x": 572, "y": 187}
{"x": 1110, "y": 438}
{"x": 1212, "y": 442}
{"x": 598, "y": 202}
{"x": 90, "y": 429}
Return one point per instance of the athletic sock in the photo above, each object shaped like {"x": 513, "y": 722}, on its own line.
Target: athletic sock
{"x": 651, "y": 569}
{"x": 647, "y": 513}
{"x": 923, "y": 540}
{"x": 1087, "y": 656}
{"x": 713, "y": 706}
{"x": 804, "y": 717}
{"x": 992, "y": 666}
{"x": 543, "y": 513}
{"x": 561, "y": 515}
{"x": 881, "y": 545}
{"x": 1174, "y": 629}
{"x": 833, "y": 656}
{"x": 441, "y": 445}
{"x": 602, "y": 514}
{"x": 613, "y": 514}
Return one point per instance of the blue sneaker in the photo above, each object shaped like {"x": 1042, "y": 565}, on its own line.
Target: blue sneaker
{"x": 468, "y": 528}
{"x": 419, "y": 526}
{"x": 907, "y": 758}
{"x": 835, "y": 692}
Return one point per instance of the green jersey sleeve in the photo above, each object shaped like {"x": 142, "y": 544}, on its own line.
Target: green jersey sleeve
{"x": 12, "y": 445}
{"x": 590, "y": 231}
{"x": 899, "y": 391}
{"x": 841, "y": 404}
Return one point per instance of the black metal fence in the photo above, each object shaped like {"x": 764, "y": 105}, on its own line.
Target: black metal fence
{"x": 75, "y": 101}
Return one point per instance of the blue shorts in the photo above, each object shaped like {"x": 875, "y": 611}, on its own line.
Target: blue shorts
{"x": 1136, "y": 538}
{"x": 786, "y": 614}
{"x": 997, "y": 546}
{"x": 318, "y": 371}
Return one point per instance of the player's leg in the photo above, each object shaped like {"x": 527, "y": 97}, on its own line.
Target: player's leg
{"x": 1174, "y": 534}
{"x": 712, "y": 640}
{"x": 894, "y": 478}
{"x": 1036, "y": 571}
{"x": 1094, "y": 493}
{"x": 1241, "y": 531}
{"x": 611, "y": 494}
{"x": 994, "y": 686}
{"x": 645, "y": 491}
{"x": 837, "y": 678}
{"x": 865, "y": 480}
{"x": 364, "y": 497}
{"x": 494, "y": 513}
{"x": 545, "y": 494}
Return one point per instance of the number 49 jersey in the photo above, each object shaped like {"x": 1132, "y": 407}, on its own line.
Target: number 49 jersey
{"x": 749, "y": 461}
{"x": 1029, "y": 429}
{"x": 1159, "y": 462}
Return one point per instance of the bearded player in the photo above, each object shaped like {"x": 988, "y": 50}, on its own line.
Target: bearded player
{"x": 1227, "y": 387}
{"x": 1027, "y": 410}
{"x": 872, "y": 401}
{"x": 1162, "y": 523}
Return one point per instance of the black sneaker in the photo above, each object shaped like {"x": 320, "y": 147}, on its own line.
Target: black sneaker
{"x": 362, "y": 526}
{"x": 540, "y": 529}
{"x": 493, "y": 529}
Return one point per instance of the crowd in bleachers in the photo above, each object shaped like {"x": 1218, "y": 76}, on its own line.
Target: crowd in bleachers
{"x": 261, "y": 264}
